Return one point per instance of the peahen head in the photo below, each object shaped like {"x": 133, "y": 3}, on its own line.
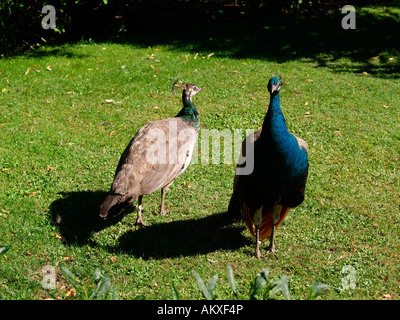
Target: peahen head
{"x": 190, "y": 90}
{"x": 274, "y": 85}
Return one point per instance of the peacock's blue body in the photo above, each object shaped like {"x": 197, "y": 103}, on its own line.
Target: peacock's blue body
{"x": 278, "y": 179}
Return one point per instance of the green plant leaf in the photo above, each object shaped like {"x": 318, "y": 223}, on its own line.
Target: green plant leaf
{"x": 202, "y": 286}
{"x": 316, "y": 289}
{"x": 4, "y": 249}
{"x": 102, "y": 287}
{"x": 281, "y": 285}
{"x": 114, "y": 294}
{"x": 212, "y": 285}
{"x": 69, "y": 276}
{"x": 97, "y": 274}
{"x": 259, "y": 283}
{"x": 231, "y": 279}
{"x": 175, "y": 294}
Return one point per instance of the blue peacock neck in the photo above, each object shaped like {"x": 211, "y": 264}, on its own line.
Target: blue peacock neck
{"x": 284, "y": 153}
{"x": 189, "y": 112}
{"x": 274, "y": 128}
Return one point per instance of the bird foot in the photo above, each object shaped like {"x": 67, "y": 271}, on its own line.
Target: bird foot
{"x": 257, "y": 254}
{"x": 270, "y": 249}
{"x": 139, "y": 222}
{"x": 162, "y": 213}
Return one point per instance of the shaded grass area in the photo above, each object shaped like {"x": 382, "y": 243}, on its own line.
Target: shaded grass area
{"x": 68, "y": 111}
{"x": 240, "y": 33}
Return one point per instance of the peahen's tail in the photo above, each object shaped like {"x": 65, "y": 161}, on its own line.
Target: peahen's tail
{"x": 114, "y": 205}
{"x": 266, "y": 223}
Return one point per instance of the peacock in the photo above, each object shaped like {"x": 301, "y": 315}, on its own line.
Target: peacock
{"x": 158, "y": 153}
{"x": 278, "y": 177}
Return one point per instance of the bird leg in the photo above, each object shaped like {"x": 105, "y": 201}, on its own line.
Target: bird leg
{"x": 271, "y": 246}
{"x": 276, "y": 213}
{"x": 163, "y": 193}
{"x": 139, "y": 220}
{"x": 257, "y": 252}
{"x": 257, "y": 222}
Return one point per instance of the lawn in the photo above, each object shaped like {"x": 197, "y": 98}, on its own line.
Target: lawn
{"x": 68, "y": 111}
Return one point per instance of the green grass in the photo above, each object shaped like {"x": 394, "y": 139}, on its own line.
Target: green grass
{"x": 67, "y": 113}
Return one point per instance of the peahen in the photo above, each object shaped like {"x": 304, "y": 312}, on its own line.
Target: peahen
{"x": 278, "y": 179}
{"x": 158, "y": 153}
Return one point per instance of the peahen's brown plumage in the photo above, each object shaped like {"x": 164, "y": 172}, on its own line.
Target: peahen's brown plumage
{"x": 157, "y": 154}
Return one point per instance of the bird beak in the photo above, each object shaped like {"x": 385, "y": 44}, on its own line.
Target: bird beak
{"x": 274, "y": 87}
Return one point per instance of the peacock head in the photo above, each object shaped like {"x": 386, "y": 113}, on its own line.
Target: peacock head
{"x": 274, "y": 85}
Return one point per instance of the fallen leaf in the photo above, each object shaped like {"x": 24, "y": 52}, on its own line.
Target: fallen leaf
{"x": 68, "y": 258}
{"x": 338, "y": 132}
{"x": 32, "y": 193}
{"x": 306, "y": 103}
{"x": 49, "y": 67}
{"x": 27, "y": 71}
{"x": 4, "y": 90}
{"x": 114, "y": 259}
{"x": 385, "y": 106}
{"x": 111, "y": 133}
{"x": 156, "y": 107}
{"x": 51, "y": 168}
{"x": 187, "y": 185}
{"x": 71, "y": 292}
{"x": 366, "y": 73}
{"x": 109, "y": 100}
{"x": 210, "y": 55}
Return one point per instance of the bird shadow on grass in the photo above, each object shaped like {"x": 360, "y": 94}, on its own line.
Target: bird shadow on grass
{"x": 76, "y": 215}
{"x": 183, "y": 238}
